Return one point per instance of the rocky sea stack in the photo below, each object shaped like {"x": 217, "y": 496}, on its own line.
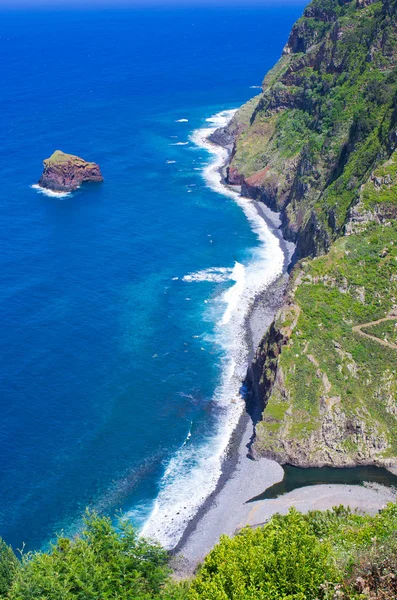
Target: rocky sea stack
{"x": 66, "y": 172}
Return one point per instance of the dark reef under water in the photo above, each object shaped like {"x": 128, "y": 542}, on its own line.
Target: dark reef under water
{"x": 297, "y": 477}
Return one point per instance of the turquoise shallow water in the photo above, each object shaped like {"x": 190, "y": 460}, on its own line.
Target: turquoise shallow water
{"x": 110, "y": 359}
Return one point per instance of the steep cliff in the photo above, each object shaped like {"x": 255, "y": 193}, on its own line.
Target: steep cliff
{"x": 327, "y": 115}
{"x": 330, "y": 390}
{"x": 320, "y": 147}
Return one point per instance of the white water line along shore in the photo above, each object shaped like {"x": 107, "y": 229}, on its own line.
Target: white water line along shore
{"x": 206, "y": 489}
{"x": 50, "y": 193}
{"x": 193, "y": 473}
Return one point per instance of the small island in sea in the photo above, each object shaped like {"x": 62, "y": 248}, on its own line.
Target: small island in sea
{"x": 66, "y": 172}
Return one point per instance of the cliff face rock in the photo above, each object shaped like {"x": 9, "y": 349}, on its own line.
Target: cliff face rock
{"x": 66, "y": 172}
{"x": 264, "y": 371}
{"x": 332, "y": 438}
{"x": 320, "y": 147}
{"x": 326, "y": 116}
{"x": 330, "y": 395}
{"x": 226, "y": 136}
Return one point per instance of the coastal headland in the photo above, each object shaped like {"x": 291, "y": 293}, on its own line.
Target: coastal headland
{"x": 228, "y": 508}
{"x": 318, "y": 148}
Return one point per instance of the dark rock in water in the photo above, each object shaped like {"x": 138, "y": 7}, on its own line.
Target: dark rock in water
{"x": 65, "y": 172}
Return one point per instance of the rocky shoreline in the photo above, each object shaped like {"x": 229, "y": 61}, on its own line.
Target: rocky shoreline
{"x": 264, "y": 376}
{"x": 245, "y": 470}
{"x": 238, "y": 465}
{"x": 329, "y": 392}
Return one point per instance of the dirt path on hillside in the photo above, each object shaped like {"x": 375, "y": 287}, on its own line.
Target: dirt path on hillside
{"x": 358, "y": 329}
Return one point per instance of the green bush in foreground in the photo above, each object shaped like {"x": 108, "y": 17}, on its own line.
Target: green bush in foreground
{"x": 282, "y": 560}
{"x": 104, "y": 562}
{"x": 8, "y": 567}
{"x": 322, "y": 555}
{"x": 319, "y": 556}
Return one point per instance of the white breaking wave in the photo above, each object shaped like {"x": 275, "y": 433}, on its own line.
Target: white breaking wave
{"x": 170, "y": 162}
{"x": 189, "y": 435}
{"x": 194, "y": 471}
{"x": 219, "y": 120}
{"x": 233, "y": 295}
{"x": 180, "y": 144}
{"x": 214, "y": 274}
{"x": 182, "y": 121}
{"x": 49, "y": 193}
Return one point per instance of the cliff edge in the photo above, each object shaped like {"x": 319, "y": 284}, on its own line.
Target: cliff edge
{"x": 320, "y": 147}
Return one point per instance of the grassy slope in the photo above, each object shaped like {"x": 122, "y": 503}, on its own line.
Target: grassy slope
{"x": 330, "y": 371}
{"x": 384, "y": 331}
{"x": 59, "y": 158}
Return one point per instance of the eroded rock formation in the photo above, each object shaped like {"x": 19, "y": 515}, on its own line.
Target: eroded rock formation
{"x": 66, "y": 172}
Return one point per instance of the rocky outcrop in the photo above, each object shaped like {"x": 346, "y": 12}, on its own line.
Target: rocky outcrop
{"x": 377, "y": 199}
{"x": 324, "y": 446}
{"x": 360, "y": 217}
{"x": 226, "y": 136}
{"x": 66, "y": 172}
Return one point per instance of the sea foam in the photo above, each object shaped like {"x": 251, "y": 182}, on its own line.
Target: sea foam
{"x": 193, "y": 472}
{"x": 213, "y": 274}
{"x": 50, "y": 193}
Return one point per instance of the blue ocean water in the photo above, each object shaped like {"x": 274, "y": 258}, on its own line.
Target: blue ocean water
{"x": 109, "y": 355}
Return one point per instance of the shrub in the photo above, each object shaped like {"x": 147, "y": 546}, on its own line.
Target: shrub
{"x": 282, "y": 560}
{"x": 8, "y": 566}
{"x": 104, "y": 562}
{"x": 374, "y": 574}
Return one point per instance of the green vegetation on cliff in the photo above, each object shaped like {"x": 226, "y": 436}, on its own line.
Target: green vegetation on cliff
{"x": 321, "y": 148}
{"x": 385, "y": 331}
{"x": 326, "y": 119}
{"x": 333, "y": 399}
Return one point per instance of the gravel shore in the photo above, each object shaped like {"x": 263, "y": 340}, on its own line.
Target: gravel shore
{"x": 229, "y": 509}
